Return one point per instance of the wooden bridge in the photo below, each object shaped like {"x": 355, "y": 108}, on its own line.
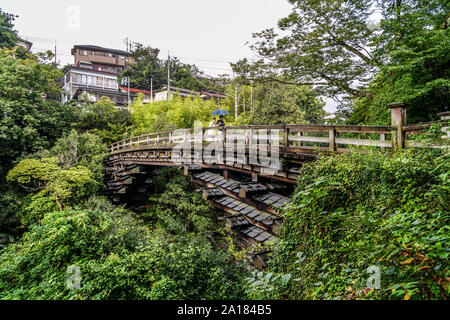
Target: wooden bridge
{"x": 249, "y": 192}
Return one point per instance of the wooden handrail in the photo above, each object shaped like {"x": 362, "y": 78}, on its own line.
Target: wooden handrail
{"x": 291, "y": 135}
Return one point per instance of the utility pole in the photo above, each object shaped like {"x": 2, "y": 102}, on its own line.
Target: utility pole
{"x": 243, "y": 93}
{"x": 251, "y": 97}
{"x": 151, "y": 90}
{"x": 235, "y": 103}
{"x": 168, "y": 76}
{"x": 55, "y": 51}
{"x": 128, "y": 80}
{"x": 126, "y": 44}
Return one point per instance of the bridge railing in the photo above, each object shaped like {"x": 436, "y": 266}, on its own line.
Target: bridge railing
{"x": 287, "y": 137}
{"x": 290, "y": 138}
{"x": 296, "y": 138}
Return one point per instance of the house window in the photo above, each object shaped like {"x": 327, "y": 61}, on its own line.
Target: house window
{"x": 81, "y": 78}
{"x": 83, "y": 52}
{"x": 86, "y": 66}
{"x": 110, "y": 83}
{"x": 92, "y": 81}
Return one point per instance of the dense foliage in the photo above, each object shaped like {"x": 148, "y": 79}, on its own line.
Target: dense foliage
{"x": 351, "y": 214}
{"x": 103, "y": 119}
{"x": 30, "y": 120}
{"x": 170, "y": 114}
{"x": 348, "y": 52}
{"x": 8, "y": 37}
{"x": 53, "y": 186}
{"x": 417, "y": 73}
{"x": 118, "y": 258}
{"x": 275, "y": 103}
{"x": 177, "y": 207}
{"x": 354, "y": 211}
{"x": 86, "y": 149}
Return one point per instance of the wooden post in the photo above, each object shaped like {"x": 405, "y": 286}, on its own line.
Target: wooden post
{"x": 398, "y": 120}
{"x": 226, "y": 175}
{"x": 332, "y": 143}
{"x": 382, "y": 138}
{"x": 285, "y": 137}
{"x": 445, "y": 117}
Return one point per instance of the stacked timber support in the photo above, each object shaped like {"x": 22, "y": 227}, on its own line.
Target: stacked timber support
{"x": 252, "y": 209}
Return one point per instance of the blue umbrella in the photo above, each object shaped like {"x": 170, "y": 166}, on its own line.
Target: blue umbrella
{"x": 220, "y": 112}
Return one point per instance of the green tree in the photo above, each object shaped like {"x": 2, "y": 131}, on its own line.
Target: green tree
{"x": 84, "y": 149}
{"x": 277, "y": 103}
{"x": 149, "y": 66}
{"x": 337, "y": 47}
{"x": 178, "y": 207}
{"x": 323, "y": 43}
{"x": 103, "y": 119}
{"x": 416, "y": 69}
{"x": 30, "y": 118}
{"x": 118, "y": 258}
{"x": 50, "y": 185}
{"x": 187, "y": 76}
{"x": 171, "y": 114}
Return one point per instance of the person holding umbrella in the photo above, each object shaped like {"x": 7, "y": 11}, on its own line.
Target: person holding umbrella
{"x": 220, "y": 124}
{"x": 221, "y": 113}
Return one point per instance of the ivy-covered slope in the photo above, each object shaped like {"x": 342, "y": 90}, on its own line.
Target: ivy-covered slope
{"x": 355, "y": 211}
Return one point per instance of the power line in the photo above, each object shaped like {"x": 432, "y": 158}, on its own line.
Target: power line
{"x": 52, "y": 41}
{"x": 68, "y": 53}
{"x": 213, "y": 68}
{"x": 203, "y": 60}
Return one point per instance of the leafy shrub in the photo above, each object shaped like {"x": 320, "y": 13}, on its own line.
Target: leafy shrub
{"x": 83, "y": 149}
{"x": 51, "y": 187}
{"x": 118, "y": 258}
{"x": 101, "y": 118}
{"x": 353, "y": 211}
{"x": 178, "y": 207}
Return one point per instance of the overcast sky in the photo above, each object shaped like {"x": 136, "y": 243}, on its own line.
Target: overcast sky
{"x": 208, "y": 33}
